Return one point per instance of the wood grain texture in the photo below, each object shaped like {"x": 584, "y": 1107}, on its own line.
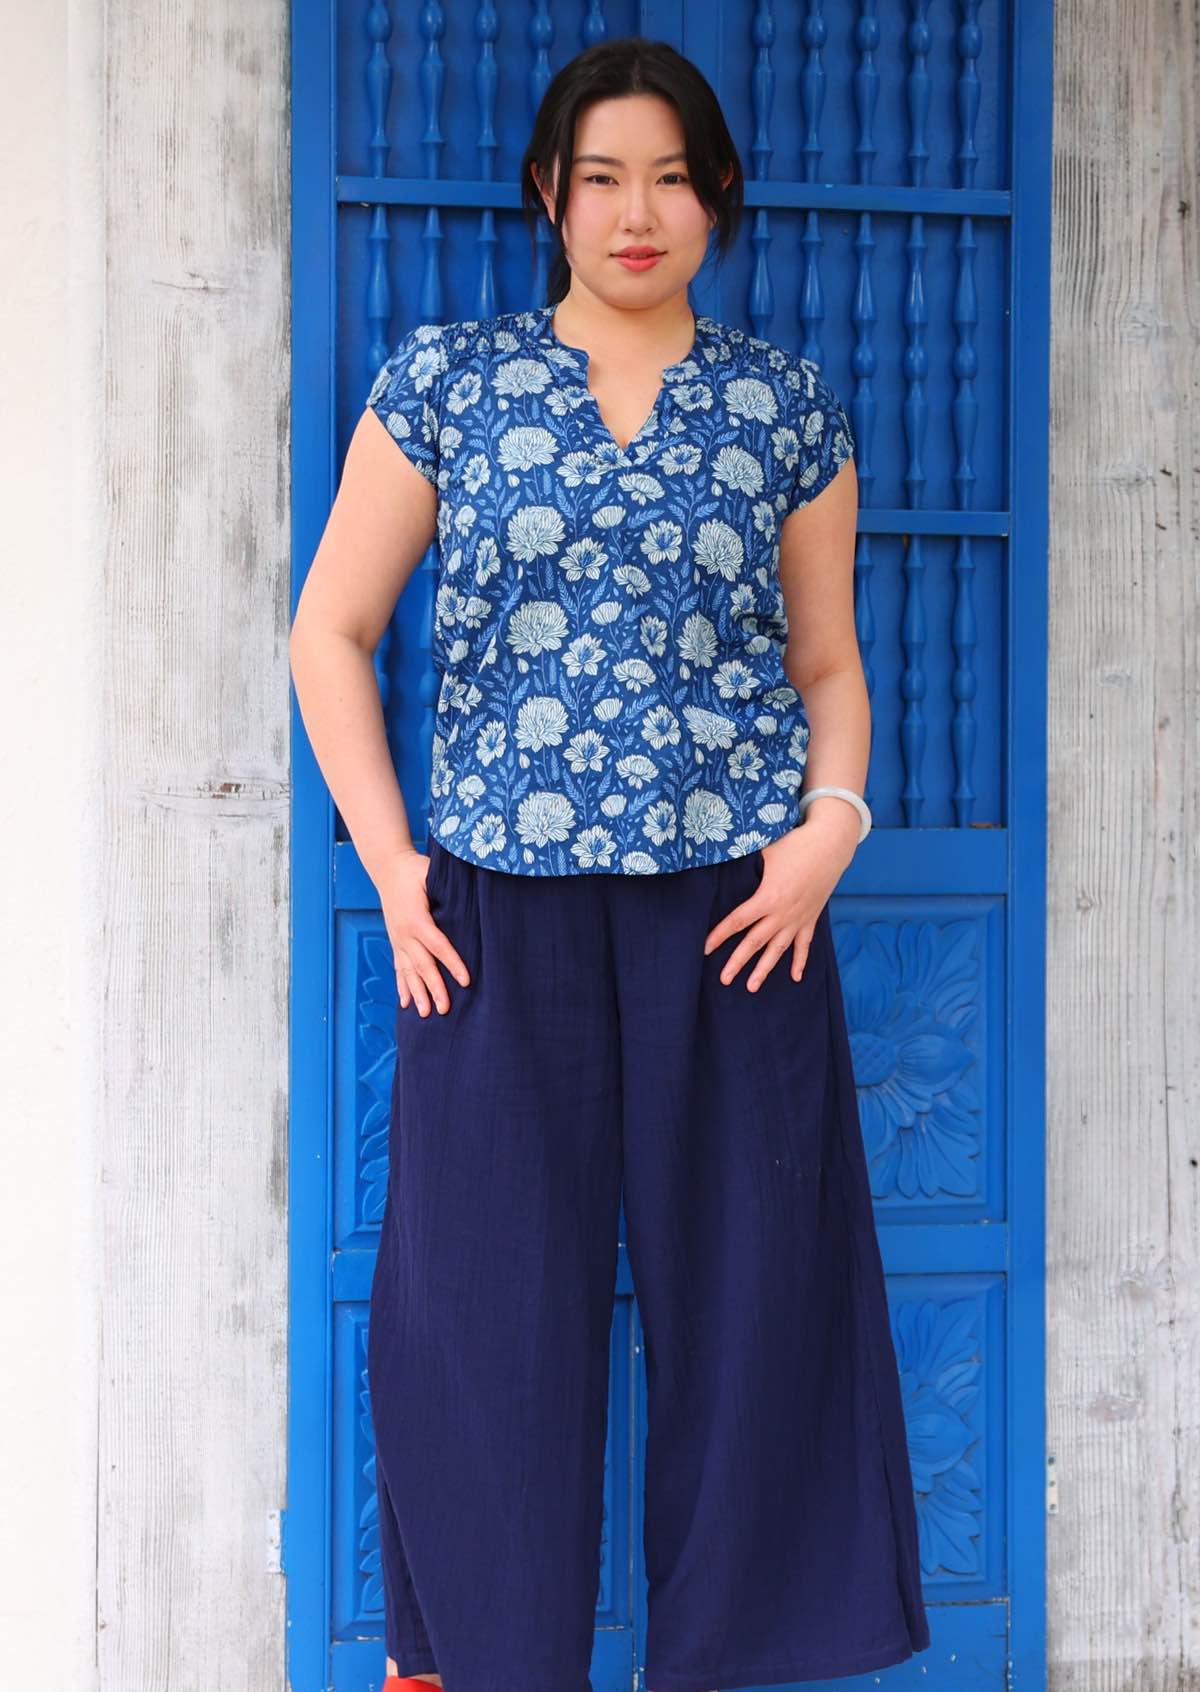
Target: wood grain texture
{"x": 192, "y": 1388}
{"x": 1123, "y": 985}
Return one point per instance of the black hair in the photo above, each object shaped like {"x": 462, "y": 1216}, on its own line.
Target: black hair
{"x": 607, "y": 70}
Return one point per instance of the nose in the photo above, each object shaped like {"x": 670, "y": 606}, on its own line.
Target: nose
{"x": 638, "y": 218}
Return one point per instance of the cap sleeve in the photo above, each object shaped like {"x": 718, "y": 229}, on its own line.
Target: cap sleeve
{"x": 825, "y": 437}
{"x": 406, "y": 396}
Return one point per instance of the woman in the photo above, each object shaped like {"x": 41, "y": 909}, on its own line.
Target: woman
{"x": 633, "y": 504}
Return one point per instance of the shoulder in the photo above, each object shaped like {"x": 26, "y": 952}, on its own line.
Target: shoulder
{"x": 737, "y": 349}
{"x": 798, "y": 382}
{"x": 504, "y": 331}
{"x": 429, "y": 358}
{"x": 413, "y": 369}
{"x": 760, "y": 378}
{"x": 475, "y": 342}
{"x": 445, "y": 344}
{"x": 810, "y": 431}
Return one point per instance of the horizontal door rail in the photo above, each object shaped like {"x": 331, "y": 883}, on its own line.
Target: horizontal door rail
{"x": 783, "y": 196}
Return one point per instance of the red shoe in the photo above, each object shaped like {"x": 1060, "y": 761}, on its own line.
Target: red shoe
{"x": 408, "y": 1683}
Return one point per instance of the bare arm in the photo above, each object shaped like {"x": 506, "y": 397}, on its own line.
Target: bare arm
{"x": 816, "y": 570}
{"x": 382, "y": 522}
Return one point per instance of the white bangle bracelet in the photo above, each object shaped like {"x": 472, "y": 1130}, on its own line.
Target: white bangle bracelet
{"x": 859, "y": 803}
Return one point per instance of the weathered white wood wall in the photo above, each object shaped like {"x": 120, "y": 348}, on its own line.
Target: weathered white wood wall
{"x": 191, "y": 1464}
{"x": 1123, "y": 977}
{"x": 162, "y": 1350}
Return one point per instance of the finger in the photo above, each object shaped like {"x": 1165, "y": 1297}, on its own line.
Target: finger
{"x": 416, "y": 991}
{"x": 440, "y": 944}
{"x": 730, "y": 923}
{"x": 423, "y": 977}
{"x": 799, "y": 956}
{"x": 429, "y": 973}
{"x": 745, "y": 950}
{"x": 771, "y": 956}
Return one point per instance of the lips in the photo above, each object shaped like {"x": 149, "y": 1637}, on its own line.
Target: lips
{"x": 639, "y": 252}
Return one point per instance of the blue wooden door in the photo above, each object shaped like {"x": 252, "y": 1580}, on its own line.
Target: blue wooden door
{"x": 898, "y": 163}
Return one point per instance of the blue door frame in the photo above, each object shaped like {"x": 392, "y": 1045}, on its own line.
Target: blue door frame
{"x": 898, "y": 229}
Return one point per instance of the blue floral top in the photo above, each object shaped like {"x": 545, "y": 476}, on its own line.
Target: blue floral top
{"x": 609, "y": 626}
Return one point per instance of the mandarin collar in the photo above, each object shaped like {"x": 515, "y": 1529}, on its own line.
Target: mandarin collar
{"x": 572, "y": 362}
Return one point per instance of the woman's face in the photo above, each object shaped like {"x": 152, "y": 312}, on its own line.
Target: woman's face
{"x": 630, "y": 188}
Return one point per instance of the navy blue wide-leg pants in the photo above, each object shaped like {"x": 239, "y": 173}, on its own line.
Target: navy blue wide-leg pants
{"x": 596, "y": 1053}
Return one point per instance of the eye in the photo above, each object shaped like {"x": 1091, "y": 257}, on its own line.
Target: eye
{"x": 670, "y": 175}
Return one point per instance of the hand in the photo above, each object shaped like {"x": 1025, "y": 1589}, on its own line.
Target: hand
{"x": 800, "y": 871}
{"x": 417, "y": 941}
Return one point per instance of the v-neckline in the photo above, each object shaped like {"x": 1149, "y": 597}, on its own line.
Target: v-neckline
{"x": 575, "y": 362}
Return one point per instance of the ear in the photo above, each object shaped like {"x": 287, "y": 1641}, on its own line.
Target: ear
{"x": 725, "y": 181}
{"x": 542, "y": 190}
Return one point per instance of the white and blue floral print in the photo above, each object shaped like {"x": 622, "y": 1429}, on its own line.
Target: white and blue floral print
{"x": 609, "y": 625}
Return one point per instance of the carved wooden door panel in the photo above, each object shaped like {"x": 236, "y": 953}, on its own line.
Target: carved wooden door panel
{"x": 898, "y": 161}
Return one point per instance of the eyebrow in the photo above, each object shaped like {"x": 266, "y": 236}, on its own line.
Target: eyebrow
{"x": 601, "y": 158}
